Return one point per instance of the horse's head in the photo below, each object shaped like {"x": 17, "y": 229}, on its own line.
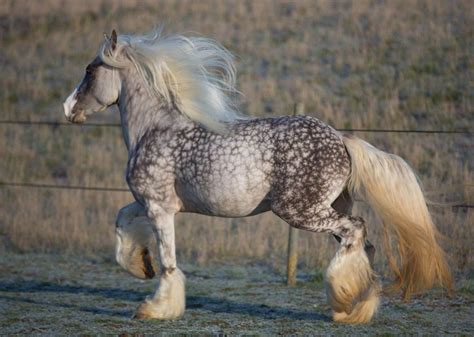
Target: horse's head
{"x": 98, "y": 90}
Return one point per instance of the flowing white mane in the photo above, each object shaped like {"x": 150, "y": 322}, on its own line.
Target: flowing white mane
{"x": 197, "y": 73}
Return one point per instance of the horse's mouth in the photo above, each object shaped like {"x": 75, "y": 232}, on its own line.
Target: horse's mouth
{"x": 78, "y": 118}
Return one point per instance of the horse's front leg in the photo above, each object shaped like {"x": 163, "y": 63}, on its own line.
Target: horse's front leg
{"x": 168, "y": 302}
{"x": 136, "y": 249}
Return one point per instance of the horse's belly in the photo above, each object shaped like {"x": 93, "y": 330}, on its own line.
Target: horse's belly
{"x": 228, "y": 195}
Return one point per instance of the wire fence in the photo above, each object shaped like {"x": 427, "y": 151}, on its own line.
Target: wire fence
{"x": 55, "y": 124}
{"x": 117, "y": 125}
{"x": 65, "y": 187}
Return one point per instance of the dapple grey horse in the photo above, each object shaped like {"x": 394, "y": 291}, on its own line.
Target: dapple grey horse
{"x": 191, "y": 151}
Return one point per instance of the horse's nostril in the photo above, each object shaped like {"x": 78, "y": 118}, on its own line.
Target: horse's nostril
{"x": 79, "y": 117}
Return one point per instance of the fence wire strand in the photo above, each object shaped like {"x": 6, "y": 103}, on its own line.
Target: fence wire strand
{"x": 116, "y": 125}
{"x": 65, "y": 187}
{"x": 119, "y": 189}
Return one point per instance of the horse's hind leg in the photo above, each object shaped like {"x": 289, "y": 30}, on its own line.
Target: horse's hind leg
{"x": 351, "y": 285}
{"x": 343, "y": 204}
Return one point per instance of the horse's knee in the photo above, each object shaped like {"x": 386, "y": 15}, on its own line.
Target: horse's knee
{"x": 128, "y": 213}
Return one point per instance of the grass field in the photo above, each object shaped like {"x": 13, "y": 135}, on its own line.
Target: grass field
{"x": 48, "y": 294}
{"x": 370, "y": 64}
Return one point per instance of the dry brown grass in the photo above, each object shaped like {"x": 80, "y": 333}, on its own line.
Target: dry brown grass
{"x": 397, "y": 64}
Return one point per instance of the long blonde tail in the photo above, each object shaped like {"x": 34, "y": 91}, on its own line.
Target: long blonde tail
{"x": 391, "y": 188}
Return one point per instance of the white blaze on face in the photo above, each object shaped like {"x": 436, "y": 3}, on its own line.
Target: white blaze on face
{"x": 69, "y": 103}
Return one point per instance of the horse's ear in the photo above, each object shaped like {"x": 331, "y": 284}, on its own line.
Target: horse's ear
{"x": 113, "y": 39}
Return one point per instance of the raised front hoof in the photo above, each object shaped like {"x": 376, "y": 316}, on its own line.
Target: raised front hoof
{"x": 147, "y": 310}
{"x": 136, "y": 249}
{"x": 142, "y": 265}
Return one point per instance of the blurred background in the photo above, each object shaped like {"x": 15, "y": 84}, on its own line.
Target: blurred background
{"x": 353, "y": 64}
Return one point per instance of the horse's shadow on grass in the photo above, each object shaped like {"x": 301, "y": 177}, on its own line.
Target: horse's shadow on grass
{"x": 199, "y": 303}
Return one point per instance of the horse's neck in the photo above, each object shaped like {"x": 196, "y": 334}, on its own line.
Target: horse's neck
{"x": 141, "y": 111}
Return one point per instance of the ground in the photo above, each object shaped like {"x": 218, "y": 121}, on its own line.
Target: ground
{"x": 46, "y": 294}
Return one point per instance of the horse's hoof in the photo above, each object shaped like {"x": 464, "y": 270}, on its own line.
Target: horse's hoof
{"x": 137, "y": 315}
{"x": 156, "y": 311}
{"x": 143, "y": 312}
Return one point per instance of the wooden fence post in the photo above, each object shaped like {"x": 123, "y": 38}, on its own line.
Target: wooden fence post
{"x": 292, "y": 258}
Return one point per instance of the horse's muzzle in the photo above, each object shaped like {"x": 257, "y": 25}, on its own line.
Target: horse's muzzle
{"x": 79, "y": 117}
